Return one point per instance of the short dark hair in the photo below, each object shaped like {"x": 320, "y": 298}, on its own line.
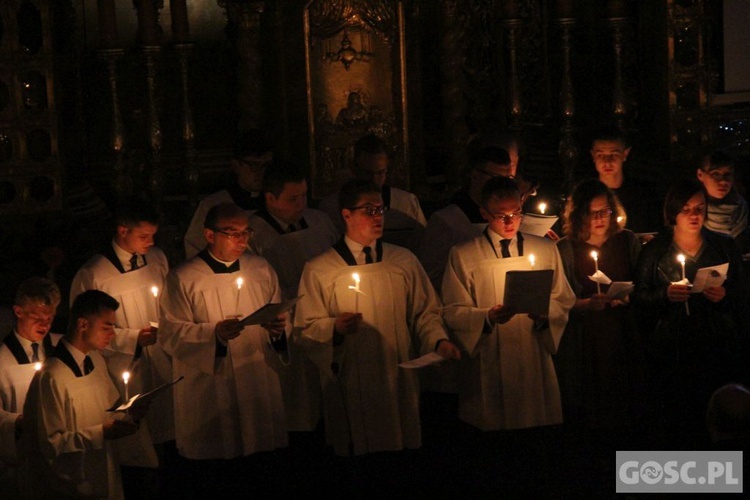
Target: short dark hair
{"x": 353, "y": 190}
{"x": 133, "y": 211}
{"x": 500, "y": 187}
{"x": 222, "y": 211}
{"x": 717, "y": 159}
{"x": 37, "y": 289}
{"x": 679, "y": 194}
{"x": 489, "y": 154}
{"x": 279, "y": 173}
{"x": 610, "y": 134}
{"x": 576, "y": 219}
{"x": 251, "y": 142}
{"x": 89, "y": 303}
{"x": 369, "y": 144}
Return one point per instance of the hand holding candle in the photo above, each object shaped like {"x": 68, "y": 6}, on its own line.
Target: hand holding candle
{"x": 595, "y": 256}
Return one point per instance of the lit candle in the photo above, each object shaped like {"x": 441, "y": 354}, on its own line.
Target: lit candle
{"x": 355, "y": 287}
{"x": 595, "y": 256}
{"x": 125, "y": 379}
{"x": 37, "y": 366}
{"x": 542, "y": 208}
{"x": 155, "y": 292}
{"x": 681, "y": 258}
{"x": 239, "y": 282}
{"x": 532, "y": 259}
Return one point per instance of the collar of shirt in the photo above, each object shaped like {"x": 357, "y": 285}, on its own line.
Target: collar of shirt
{"x": 26, "y": 344}
{"x": 356, "y": 250}
{"x": 228, "y": 264}
{"x": 124, "y": 256}
{"x": 78, "y": 356}
{"x": 513, "y": 247}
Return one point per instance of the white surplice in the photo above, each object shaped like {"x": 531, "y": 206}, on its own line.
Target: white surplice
{"x": 287, "y": 253}
{"x": 63, "y": 440}
{"x": 404, "y": 221}
{"x": 138, "y": 308}
{"x": 226, "y": 406}
{"x": 371, "y": 399}
{"x": 507, "y": 378}
{"x": 14, "y": 384}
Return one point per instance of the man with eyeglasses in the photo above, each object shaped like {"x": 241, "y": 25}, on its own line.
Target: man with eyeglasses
{"x": 128, "y": 269}
{"x": 405, "y": 221}
{"x": 249, "y": 159}
{"x": 230, "y": 404}
{"x": 609, "y": 152}
{"x": 288, "y": 234}
{"x": 365, "y": 307}
{"x": 507, "y": 378}
{"x": 29, "y": 344}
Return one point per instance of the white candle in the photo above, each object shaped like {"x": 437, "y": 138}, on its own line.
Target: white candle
{"x": 595, "y": 256}
{"x": 355, "y": 287}
{"x": 532, "y": 259}
{"x": 681, "y": 258}
{"x": 125, "y": 379}
{"x": 542, "y": 208}
{"x": 155, "y": 292}
{"x": 37, "y": 366}
{"x": 239, "y": 282}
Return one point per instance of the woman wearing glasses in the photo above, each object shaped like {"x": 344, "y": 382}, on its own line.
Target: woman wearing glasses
{"x": 727, "y": 210}
{"x": 595, "y": 357}
{"x": 691, "y": 336}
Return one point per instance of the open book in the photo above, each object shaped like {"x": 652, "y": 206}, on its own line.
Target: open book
{"x": 143, "y": 399}
{"x": 269, "y": 312}
{"x": 528, "y": 291}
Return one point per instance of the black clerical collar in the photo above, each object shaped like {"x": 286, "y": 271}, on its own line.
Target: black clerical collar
{"x": 16, "y": 349}
{"x": 245, "y": 199}
{"x": 61, "y": 352}
{"x": 216, "y": 266}
{"x": 519, "y": 238}
{"x": 343, "y": 250}
{"x": 266, "y": 216}
{"x": 468, "y": 206}
{"x": 108, "y": 252}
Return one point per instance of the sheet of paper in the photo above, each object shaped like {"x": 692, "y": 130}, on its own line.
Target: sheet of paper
{"x": 601, "y": 278}
{"x": 618, "y": 290}
{"x": 426, "y": 360}
{"x": 537, "y": 224}
{"x": 145, "y": 398}
{"x": 706, "y": 277}
{"x": 528, "y": 291}
{"x": 269, "y": 312}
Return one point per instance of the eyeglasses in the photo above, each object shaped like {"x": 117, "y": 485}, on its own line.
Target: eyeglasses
{"x": 699, "y": 210}
{"x": 372, "y": 210}
{"x": 506, "y": 218}
{"x": 718, "y": 176}
{"x": 601, "y": 214}
{"x": 235, "y": 235}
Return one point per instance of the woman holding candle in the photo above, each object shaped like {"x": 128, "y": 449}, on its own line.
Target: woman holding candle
{"x": 593, "y": 361}
{"x": 690, "y": 353}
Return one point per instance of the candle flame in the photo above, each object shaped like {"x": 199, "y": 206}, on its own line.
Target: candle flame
{"x": 240, "y": 281}
{"x": 532, "y": 259}
{"x": 542, "y": 207}
{"x": 37, "y": 366}
{"x": 681, "y": 258}
{"x": 355, "y": 277}
{"x": 125, "y": 377}
{"x": 594, "y": 255}
{"x": 619, "y": 219}
{"x": 155, "y": 291}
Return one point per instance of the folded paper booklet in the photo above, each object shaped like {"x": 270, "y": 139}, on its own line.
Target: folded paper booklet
{"x": 528, "y": 291}
{"x": 618, "y": 290}
{"x": 706, "y": 277}
{"x": 141, "y": 399}
{"x": 422, "y": 361}
{"x": 537, "y": 224}
{"x": 269, "y": 312}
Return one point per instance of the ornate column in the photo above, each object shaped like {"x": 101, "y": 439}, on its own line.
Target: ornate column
{"x": 111, "y": 53}
{"x": 246, "y": 15}
{"x": 568, "y": 152}
{"x": 617, "y": 19}
{"x": 454, "y": 107}
{"x": 511, "y": 24}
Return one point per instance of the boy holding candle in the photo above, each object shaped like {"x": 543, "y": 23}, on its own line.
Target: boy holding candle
{"x": 370, "y": 404}
{"x": 507, "y": 381}
{"x": 21, "y": 354}
{"x": 229, "y": 404}
{"x": 70, "y": 441}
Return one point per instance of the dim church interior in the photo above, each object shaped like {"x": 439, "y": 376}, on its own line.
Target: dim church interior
{"x": 104, "y": 100}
